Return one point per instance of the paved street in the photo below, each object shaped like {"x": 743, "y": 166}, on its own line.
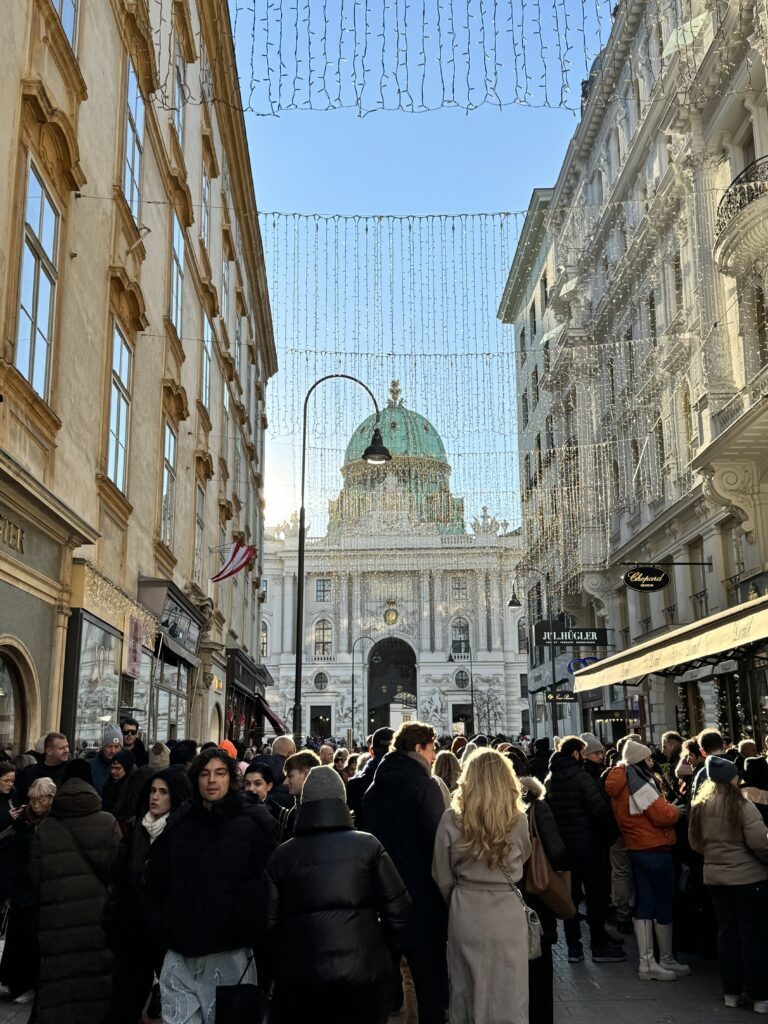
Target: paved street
{"x": 590, "y": 993}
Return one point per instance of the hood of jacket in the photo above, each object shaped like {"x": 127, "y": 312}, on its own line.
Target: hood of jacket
{"x": 396, "y": 770}
{"x": 535, "y": 788}
{"x": 564, "y": 765}
{"x": 323, "y": 816}
{"x": 75, "y": 799}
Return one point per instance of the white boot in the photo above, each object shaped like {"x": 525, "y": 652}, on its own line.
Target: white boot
{"x": 667, "y": 961}
{"x": 648, "y": 969}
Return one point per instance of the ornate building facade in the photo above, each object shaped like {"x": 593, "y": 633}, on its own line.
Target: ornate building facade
{"x": 400, "y": 597}
{"x": 135, "y": 348}
{"x": 649, "y": 358}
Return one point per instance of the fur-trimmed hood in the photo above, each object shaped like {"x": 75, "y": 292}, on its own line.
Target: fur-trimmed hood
{"x": 533, "y": 786}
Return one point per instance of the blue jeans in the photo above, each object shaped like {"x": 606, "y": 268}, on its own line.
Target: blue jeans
{"x": 654, "y": 874}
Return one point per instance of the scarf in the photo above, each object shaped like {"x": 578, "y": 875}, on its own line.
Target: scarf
{"x": 642, "y": 790}
{"x": 153, "y": 826}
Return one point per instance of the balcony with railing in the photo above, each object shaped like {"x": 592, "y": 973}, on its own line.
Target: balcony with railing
{"x": 741, "y": 226}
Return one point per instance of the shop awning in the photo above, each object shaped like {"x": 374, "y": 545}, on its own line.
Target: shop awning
{"x": 271, "y": 716}
{"x": 707, "y": 641}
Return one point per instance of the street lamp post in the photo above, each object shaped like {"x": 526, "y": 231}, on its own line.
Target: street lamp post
{"x": 357, "y": 641}
{"x": 471, "y": 682}
{"x": 515, "y": 602}
{"x": 376, "y": 454}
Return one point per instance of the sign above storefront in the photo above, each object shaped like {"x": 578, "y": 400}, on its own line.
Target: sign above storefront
{"x": 561, "y": 698}
{"x": 134, "y": 643}
{"x": 554, "y": 632}
{"x": 646, "y": 578}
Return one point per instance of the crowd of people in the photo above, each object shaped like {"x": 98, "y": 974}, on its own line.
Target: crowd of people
{"x": 421, "y": 878}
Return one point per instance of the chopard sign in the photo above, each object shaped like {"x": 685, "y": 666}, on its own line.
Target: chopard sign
{"x": 649, "y": 578}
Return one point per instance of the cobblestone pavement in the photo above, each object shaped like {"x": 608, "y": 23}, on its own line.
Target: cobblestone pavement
{"x": 588, "y": 993}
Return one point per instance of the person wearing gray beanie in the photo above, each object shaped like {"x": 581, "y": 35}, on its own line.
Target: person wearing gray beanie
{"x": 111, "y": 744}
{"x": 159, "y": 756}
{"x": 334, "y": 889}
{"x": 728, "y": 831}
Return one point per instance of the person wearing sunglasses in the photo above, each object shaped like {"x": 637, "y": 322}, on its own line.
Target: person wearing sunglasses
{"x": 131, "y": 742}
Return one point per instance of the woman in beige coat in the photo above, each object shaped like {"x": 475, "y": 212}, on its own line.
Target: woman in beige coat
{"x": 481, "y": 845}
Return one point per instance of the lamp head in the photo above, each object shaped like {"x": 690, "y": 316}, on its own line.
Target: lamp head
{"x": 376, "y": 454}
{"x": 514, "y": 601}
{"x": 450, "y": 658}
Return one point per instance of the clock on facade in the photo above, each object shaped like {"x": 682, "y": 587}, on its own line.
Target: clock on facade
{"x": 390, "y": 616}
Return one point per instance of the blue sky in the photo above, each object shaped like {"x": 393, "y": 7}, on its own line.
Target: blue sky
{"x": 446, "y": 161}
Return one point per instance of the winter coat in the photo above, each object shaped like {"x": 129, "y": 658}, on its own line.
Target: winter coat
{"x": 581, "y": 810}
{"x": 553, "y": 845}
{"x": 334, "y": 894}
{"x": 27, "y": 776}
{"x": 15, "y": 861}
{"x": 72, "y": 855}
{"x": 100, "y": 769}
{"x": 403, "y": 808}
{"x": 358, "y": 785}
{"x": 203, "y": 874}
{"x": 731, "y": 856}
{"x": 487, "y": 932}
{"x": 5, "y": 811}
{"x": 279, "y": 794}
{"x": 140, "y": 755}
{"x": 538, "y": 765}
{"x": 654, "y": 829}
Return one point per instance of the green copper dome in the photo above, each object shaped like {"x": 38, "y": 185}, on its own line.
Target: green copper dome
{"x": 406, "y": 433}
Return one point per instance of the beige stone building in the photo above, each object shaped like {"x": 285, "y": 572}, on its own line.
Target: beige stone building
{"x": 135, "y": 350}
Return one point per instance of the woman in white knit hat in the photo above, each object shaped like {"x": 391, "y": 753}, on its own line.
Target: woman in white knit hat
{"x": 647, "y": 823}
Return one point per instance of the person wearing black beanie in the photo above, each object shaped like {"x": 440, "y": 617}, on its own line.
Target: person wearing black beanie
{"x": 123, "y": 763}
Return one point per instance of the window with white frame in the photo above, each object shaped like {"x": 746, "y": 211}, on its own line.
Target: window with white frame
{"x": 134, "y": 142}
{"x": 323, "y": 590}
{"x": 205, "y": 208}
{"x": 264, "y": 644}
{"x": 119, "y": 410}
{"x": 460, "y": 636}
{"x": 169, "y": 486}
{"x": 265, "y": 587}
{"x": 39, "y": 275}
{"x": 67, "y": 12}
{"x": 205, "y": 367}
{"x": 236, "y": 474}
{"x": 323, "y": 638}
{"x": 199, "y": 533}
{"x": 206, "y": 75}
{"x": 177, "y": 273}
{"x": 224, "y": 175}
{"x": 459, "y": 588}
{"x": 179, "y": 88}
{"x": 224, "y": 287}
{"x": 238, "y": 342}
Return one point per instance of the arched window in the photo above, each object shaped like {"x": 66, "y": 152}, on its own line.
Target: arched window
{"x": 460, "y": 637}
{"x": 323, "y": 638}
{"x": 264, "y": 646}
{"x": 462, "y": 679}
{"x": 321, "y": 681}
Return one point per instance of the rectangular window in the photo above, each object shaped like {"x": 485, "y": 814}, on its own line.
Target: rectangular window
{"x": 224, "y": 175}
{"x": 169, "y": 486}
{"x": 179, "y": 89}
{"x": 119, "y": 410}
{"x": 134, "y": 142}
{"x": 236, "y": 476}
{"x": 199, "y": 533}
{"x": 39, "y": 275}
{"x": 206, "y": 75}
{"x": 677, "y": 272}
{"x": 205, "y": 209}
{"x": 544, "y": 292}
{"x": 177, "y": 274}
{"x": 238, "y": 342}
{"x": 458, "y": 588}
{"x": 225, "y": 288}
{"x": 652, "y": 315}
{"x": 205, "y": 369}
{"x": 322, "y": 590}
{"x": 533, "y": 319}
{"x": 523, "y": 684}
{"x": 67, "y": 12}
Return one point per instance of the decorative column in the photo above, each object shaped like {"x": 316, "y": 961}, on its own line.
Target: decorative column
{"x": 424, "y": 611}
{"x": 289, "y": 593}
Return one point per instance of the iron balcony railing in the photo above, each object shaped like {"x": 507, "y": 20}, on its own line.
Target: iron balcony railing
{"x": 743, "y": 190}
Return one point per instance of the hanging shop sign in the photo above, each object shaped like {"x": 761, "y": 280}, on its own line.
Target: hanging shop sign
{"x": 133, "y": 647}
{"x": 554, "y": 632}
{"x": 561, "y": 698}
{"x": 646, "y": 578}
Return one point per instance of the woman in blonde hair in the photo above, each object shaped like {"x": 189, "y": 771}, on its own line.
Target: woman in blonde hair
{"x": 481, "y": 845}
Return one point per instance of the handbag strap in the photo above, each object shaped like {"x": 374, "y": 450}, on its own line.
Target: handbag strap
{"x": 245, "y": 969}
{"x": 513, "y": 887}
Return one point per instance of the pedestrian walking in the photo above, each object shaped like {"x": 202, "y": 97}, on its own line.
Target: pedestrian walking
{"x": 7, "y": 780}
{"x": 335, "y": 894}
{"x": 203, "y": 876}
{"x": 101, "y": 765}
{"x": 129, "y": 727}
{"x": 52, "y": 765}
{"x": 359, "y": 783}
{"x": 647, "y": 823}
{"x": 727, "y": 829}
{"x": 481, "y": 846}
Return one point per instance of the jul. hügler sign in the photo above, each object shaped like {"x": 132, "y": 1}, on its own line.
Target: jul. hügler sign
{"x": 545, "y": 632}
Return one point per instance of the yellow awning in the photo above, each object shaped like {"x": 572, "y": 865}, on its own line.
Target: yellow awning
{"x": 735, "y": 627}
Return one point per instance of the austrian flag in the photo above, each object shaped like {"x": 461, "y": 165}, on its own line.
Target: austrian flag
{"x": 236, "y": 559}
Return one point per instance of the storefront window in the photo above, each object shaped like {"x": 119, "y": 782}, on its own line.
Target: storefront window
{"x": 9, "y": 713}
{"x": 98, "y": 682}
{"x": 171, "y": 682}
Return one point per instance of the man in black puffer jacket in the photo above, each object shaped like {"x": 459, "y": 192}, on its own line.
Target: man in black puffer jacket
{"x": 203, "y": 878}
{"x": 334, "y": 895}
{"x": 583, "y": 813}
{"x": 402, "y": 809}
{"x": 538, "y": 764}
{"x": 358, "y": 784}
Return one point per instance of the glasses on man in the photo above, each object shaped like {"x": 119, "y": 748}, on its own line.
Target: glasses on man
{"x": 130, "y": 732}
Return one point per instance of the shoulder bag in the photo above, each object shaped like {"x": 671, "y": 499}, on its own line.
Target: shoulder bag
{"x": 541, "y": 880}
{"x": 242, "y": 1002}
{"x": 531, "y": 918}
